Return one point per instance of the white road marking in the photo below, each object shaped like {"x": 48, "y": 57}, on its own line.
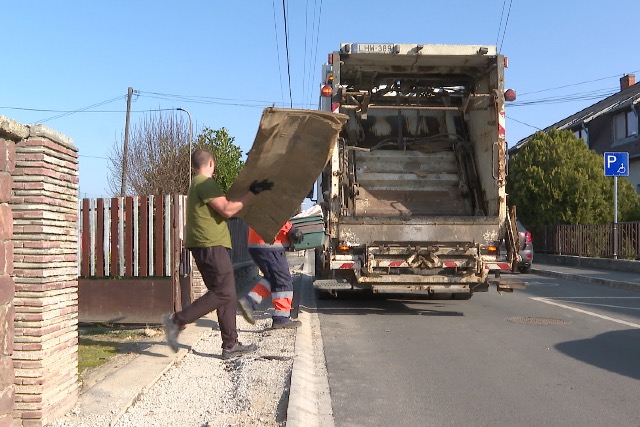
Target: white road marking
{"x": 589, "y": 313}
{"x": 604, "y": 305}
{"x": 599, "y": 297}
{"x": 542, "y": 284}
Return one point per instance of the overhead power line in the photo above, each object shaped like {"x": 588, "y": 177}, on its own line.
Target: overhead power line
{"x": 579, "y": 96}
{"x": 286, "y": 42}
{"x": 597, "y": 94}
{"x": 82, "y": 109}
{"x": 275, "y": 27}
{"x": 506, "y": 22}
{"x": 304, "y": 64}
{"x": 317, "y": 31}
{"x": 576, "y": 84}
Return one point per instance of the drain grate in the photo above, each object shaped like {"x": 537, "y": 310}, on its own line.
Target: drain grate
{"x": 538, "y": 320}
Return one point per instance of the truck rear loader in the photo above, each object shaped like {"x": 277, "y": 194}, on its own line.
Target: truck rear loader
{"x": 413, "y": 195}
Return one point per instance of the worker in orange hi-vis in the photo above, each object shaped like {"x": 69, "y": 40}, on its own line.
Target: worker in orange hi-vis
{"x": 271, "y": 259}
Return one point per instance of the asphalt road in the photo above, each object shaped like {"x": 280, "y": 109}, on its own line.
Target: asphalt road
{"x": 560, "y": 353}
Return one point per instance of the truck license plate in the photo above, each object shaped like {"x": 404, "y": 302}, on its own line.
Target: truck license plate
{"x": 373, "y": 48}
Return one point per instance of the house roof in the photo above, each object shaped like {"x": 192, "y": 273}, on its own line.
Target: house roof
{"x": 618, "y": 101}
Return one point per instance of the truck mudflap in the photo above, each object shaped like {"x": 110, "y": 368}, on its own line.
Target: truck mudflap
{"x": 497, "y": 266}
{"x": 507, "y": 285}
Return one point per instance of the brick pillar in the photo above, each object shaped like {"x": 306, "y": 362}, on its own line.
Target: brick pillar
{"x": 10, "y": 132}
{"x": 45, "y": 234}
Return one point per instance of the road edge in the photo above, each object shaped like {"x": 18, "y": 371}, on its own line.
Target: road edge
{"x": 309, "y": 393}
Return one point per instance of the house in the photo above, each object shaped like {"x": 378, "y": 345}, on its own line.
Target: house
{"x": 608, "y": 125}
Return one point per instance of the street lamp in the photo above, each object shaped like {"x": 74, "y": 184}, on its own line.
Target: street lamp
{"x": 190, "y": 139}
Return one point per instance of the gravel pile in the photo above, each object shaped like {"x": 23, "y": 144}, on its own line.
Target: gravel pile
{"x": 205, "y": 390}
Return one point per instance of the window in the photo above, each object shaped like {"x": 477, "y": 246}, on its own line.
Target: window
{"x": 625, "y": 125}
{"x": 583, "y": 135}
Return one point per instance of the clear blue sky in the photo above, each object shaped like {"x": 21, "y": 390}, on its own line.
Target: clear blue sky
{"x": 225, "y": 61}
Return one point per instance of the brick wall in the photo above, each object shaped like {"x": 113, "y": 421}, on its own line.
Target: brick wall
{"x": 10, "y": 132}
{"x": 45, "y": 235}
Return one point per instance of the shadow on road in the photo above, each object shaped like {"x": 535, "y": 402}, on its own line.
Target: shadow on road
{"x": 616, "y": 351}
{"x": 383, "y": 304}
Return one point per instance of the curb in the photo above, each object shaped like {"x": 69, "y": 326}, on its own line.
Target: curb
{"x": 617, "y": 284}
{"x": 309, "y": 396}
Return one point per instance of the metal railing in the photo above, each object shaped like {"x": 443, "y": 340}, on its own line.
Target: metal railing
{"x": 588, "y": 240}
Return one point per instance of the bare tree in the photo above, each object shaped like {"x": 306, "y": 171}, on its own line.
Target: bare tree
{"x": 158, "y": 157}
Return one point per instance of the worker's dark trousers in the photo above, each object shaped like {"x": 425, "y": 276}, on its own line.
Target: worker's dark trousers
{"x": 274, "y": 266}
{"x": 214, "y": 263}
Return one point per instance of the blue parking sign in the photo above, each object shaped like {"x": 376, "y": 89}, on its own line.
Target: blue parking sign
{"x": 616, "y": 164}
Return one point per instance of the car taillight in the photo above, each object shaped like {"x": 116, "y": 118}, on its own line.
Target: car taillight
{"x": 527, "y": 237}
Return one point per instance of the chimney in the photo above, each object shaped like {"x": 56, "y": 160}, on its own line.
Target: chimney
{"x": 627, "y": 80}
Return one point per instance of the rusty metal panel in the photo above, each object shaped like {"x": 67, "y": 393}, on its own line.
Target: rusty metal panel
{"x": 143, "y": 236}
{"x": 430, "y": 289}
{"x": 407, "y": 183}
{"x": 482, "y": 230}
{"x": 100, "y": 237}
{"x": 124, "y": 301}
{"x": 158, "y": 236}
{"x": 86, "y": 243}
{"x": 114, "y": 271}
{"x": 128, "y": 238}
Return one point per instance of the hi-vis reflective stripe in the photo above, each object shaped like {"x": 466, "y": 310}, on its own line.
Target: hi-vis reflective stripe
{"x": 454, "y": 264}
{"x": 501, "y": 124}
{"x": 335, "y": 107}
{"x": 389, "y": 263}
{"x": 345, "y": 265}
{"x": 497, "y": 266}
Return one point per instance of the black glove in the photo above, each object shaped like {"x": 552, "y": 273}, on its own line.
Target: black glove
{"x": 295, "y": 235}
{"x": 258, "y": 187}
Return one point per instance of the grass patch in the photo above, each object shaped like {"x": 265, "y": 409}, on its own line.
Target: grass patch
{"x": 98, "y": 343}
{"x": 92, "y": 353}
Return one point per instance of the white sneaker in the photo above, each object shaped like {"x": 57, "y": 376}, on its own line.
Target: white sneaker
{"x": 246, "y": 311}
{"x": 171, "y": 331}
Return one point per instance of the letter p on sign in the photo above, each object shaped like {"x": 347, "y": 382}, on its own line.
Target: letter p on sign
{"x": 616, "y": 164}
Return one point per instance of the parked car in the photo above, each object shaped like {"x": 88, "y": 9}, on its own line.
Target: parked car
{"x": 526, "y": 248}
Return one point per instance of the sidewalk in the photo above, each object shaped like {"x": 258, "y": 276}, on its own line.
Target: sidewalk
{"x": 110, "y": 397}
{"x": 130, "y": 376}
{"x": 597, "y": 276}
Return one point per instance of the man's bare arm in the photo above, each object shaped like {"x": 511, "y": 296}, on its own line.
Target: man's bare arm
{"x": 228, "y": 208}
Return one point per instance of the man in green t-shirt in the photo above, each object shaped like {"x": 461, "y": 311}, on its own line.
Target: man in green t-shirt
{"x": 208, "y": 239}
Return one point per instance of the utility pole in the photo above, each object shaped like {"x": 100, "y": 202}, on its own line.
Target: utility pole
{"x": 125, "y": 149}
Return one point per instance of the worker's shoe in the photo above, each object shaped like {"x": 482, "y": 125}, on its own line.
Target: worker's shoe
{"x": 238, "y": 349}
{"x": 246, "y": 308}
{"x": 285, "y": 323}
{"x": 171, "y": 330}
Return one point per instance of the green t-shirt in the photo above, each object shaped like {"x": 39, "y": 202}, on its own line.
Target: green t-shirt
{"x": 205, "y": 226}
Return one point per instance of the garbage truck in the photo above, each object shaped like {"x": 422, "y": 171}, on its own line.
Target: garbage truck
{"x": 413, "y": 195}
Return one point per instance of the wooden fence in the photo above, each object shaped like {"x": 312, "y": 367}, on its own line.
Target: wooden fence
{"x": 590, "y": 240}
{"x": 132, "y": 263}
{"x": 128, "y": 237}
{"x": 134, "y": 237}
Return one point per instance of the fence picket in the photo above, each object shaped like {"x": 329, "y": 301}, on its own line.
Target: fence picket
{"x": 137, "y": 236}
